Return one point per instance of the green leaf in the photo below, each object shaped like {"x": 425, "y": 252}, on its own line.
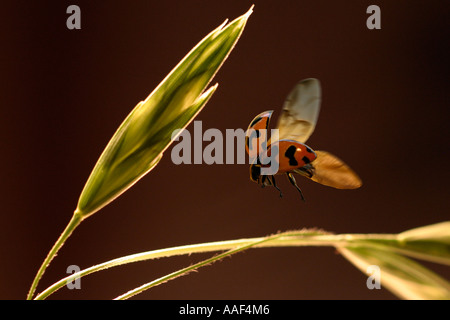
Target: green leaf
{"x": 138, "y": 144}
{"x": 430, "y": 243}
{"x": 402, "y": 276}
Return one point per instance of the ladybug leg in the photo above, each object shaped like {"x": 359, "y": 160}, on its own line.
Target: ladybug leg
{"x": 294, "y": 183}
{"x": 269, "y": 181}
{"x": 306, "y": 171}
{"x": 272, "y": 179}
{"x": 262, "y": 181}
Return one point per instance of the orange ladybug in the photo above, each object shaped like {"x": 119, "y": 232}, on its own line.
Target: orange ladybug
{"x": 296, "y": 124}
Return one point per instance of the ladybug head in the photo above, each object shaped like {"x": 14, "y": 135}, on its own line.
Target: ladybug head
{"x": 255, "y": 172}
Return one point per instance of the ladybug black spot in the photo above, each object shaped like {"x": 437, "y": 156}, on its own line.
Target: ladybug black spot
{"x": 251, "y": 137}
{"x": 306, "y": 160}
{"x": 290, "y": 152}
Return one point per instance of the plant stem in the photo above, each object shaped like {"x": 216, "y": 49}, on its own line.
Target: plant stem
{"x": 73, "y": 223}
{"x": 285, "y": 239}
{"x": 186, "y": 270}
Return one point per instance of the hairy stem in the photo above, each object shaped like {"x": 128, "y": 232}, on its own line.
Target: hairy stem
{"x": 73, "y": 223}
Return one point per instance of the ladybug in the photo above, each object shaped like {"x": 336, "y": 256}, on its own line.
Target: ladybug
{"x": 296, "y": 124}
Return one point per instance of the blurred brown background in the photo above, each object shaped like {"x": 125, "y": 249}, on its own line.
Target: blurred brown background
{"x": 64, "y": 92}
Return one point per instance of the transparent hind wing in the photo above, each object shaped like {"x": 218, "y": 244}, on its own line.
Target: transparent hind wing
{"x": 300, "y": 111}
{"x": 331, "y": 171}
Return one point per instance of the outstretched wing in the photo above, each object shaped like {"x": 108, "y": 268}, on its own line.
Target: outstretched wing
{"x": 300, "y": 111}
{"x": 331, "y": 171}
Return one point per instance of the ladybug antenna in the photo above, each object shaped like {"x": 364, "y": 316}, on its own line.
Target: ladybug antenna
{"x": 294, "y": 183}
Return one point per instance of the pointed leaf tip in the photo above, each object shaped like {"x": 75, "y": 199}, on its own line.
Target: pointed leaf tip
{"x": 137, "y": 145}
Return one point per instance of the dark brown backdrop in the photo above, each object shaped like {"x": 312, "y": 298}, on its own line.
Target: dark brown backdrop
{"x": 63, "y": 94}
